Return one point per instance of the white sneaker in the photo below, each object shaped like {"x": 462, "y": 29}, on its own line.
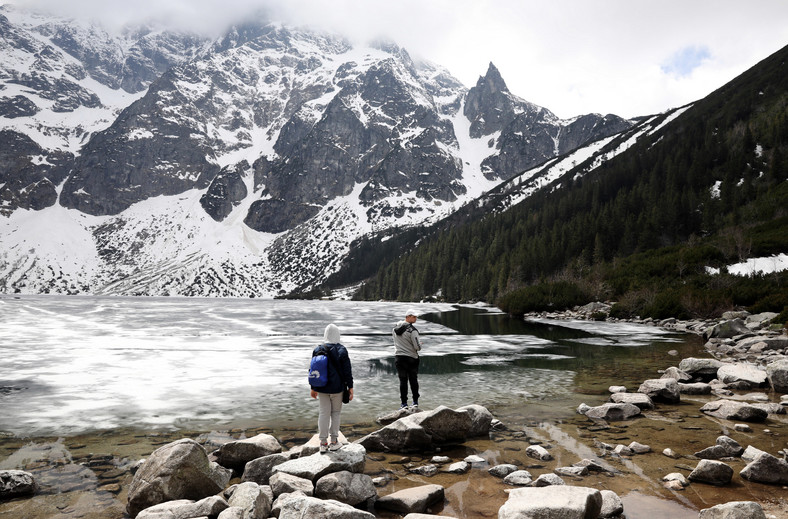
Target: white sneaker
{"x": 323, "y": 447}
{"x": 334, "y": 446}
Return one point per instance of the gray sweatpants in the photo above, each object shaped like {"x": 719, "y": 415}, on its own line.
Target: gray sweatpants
{"x": 328, "y": 419}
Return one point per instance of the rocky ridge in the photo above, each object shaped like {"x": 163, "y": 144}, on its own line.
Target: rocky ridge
{"x": 279, "y": 133}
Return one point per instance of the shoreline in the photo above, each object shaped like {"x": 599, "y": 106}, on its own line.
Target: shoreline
{"x": 95, "y": 468}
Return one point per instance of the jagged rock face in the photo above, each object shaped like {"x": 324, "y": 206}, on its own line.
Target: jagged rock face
{"x": 342, "y": 141}
{"x": 225, "y": 192}
{"x": 145, "y": 153}
{"x": 28, "y": 173}
{"x": 529, "y": 134}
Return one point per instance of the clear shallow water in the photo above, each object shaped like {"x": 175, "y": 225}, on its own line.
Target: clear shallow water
{"x": 71, "y": 365}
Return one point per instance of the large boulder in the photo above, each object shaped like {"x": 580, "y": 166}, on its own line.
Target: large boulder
{"x": 612, "y": 412}
{"x": 661, "y": 390}
{"x": 178, "y": 470}
{"x": 552, "y": 502}
{"x": 726, "y": 447}
{"x": 641, "y": 400}
{"x": 350, "y": 457}
{"x": 185, "y": 509}
{"x": 766, "y": 468}
{"x": 415, "y": 499}
{"x": 347, "y": 487}
{"x": 283, "y": 483}
{"x": 712, "y": 472}
{"x": 425, "y": 430}
{"x": 704, "y": 369}
{"x": 732, "y": 410}
{"x": 481, "y": 419}
{"x": 777, "y": 373}
{"x": 253, "y": 499}
{"x": 740, "y": 375}
{"x": 236, "y": 454}
{"x": 727, "y": 329}
{"x": 733, "y": 510}
{"x": 16, "y": 483}
{"x": 298, "y": 506}
{"x": 261, "y": 469}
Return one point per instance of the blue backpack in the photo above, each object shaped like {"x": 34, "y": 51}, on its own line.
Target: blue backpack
{"x": 318, "y": 367}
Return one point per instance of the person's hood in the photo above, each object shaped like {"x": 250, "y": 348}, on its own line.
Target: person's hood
{"x": 331, "y": 335}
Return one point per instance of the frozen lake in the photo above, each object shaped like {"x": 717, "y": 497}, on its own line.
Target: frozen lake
{"x": 76, "y": 364}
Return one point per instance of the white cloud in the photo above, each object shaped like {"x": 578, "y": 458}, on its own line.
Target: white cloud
{"x": 570, "y": 56}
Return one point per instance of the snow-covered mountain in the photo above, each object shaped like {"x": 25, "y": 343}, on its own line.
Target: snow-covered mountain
{"x": 155, "y": 162}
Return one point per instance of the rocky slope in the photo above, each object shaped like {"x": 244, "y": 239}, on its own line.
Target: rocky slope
{"x": 154, "y": 162}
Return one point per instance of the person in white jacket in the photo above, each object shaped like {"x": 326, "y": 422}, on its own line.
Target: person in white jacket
{"x": 406, "y": 354}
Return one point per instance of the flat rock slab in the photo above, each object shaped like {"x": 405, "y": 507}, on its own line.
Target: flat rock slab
{"x": 732, "y": 410}
{"x": 641, "y": 400}
{"x": 350, "y": 457}
{"x": 558, "y": 501}
{"x": 305, "y": 507}
{"x": 415, "y": 499}
{"x": 733, "y": 510}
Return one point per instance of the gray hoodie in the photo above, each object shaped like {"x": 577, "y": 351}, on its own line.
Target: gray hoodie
{"x": 406, "y": 340}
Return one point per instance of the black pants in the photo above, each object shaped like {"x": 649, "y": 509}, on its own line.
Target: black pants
{"x": 407, "y": 371}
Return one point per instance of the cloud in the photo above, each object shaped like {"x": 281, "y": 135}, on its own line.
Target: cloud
{"x": 571, "y": 56}
{"x": 684, "y": 61}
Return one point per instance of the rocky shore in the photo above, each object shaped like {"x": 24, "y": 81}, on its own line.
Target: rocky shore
{"x": 713, "y": 425}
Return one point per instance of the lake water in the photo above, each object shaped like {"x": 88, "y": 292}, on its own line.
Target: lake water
{"x": 71, "y": 365}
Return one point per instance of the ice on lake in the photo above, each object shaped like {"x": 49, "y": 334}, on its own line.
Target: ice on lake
{"x": 76, "y": 364}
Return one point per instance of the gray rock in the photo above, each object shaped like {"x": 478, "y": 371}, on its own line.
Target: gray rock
{"x": 347, "y": 487}
{"x": 260, "y": 470}
{"x": 676, "y": 476}
{"x": 548, "y": 479}
{"x": 770, "y": 408}
{"x": 777, "y": 373}
{"x": 696, "y": 388}
{"x": 425, "y": 470}
{"x": 639, "y": 448}
{"x": 552, "y": 502}
{"x": 178, "y": 470}
{"x": 481, "y": 419}
{"x": 767, "y": 342}
{"x": 732, "y": 410}
{"x": 617, "y": 389}
{"x": 416, "y": 499}
{"x": 518, "y": 478}
{"x": 461, "y": 467}
{"x": 427, "y": 516}
{"x": 670, "y": 453}
{"x": 234, "y": 512}
{"x": 351, "y": 458}
{"x": 733, "y": 510}
{"x": 712, "y": 472}
{"x": 252, "y": 499}
{"x": 729, "y": 329}
{"x": 766, "y": 468}
{"x": 679, "y": 375}
{"x": 611, "y": 504}
{"x": 641, "y": 400}
{"x": 474, "y": 459}
{"x": 297, "y": 506}
{"x": 185, "y": 509}
{"x": 661, "y": 390}
{"x": 623, "y": 450}
{"x": 502, "y": 470}
{"x": 16, "y": 483}
{"x": 283, "y": 483}
{"x": 538, "y": 452}
{"x": 705, "y": 369}
{"x": 236, "y": 454}
{"x": 741, "y": 375}
{"x": 421, "y": 431}
{"x": 613, "y": 412}
{"x": 440, "y": 460}
{"x": 577, "y": 472}
{"x": 750, "y": 453}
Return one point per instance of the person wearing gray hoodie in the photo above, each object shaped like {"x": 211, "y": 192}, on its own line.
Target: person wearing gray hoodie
{"x": 340, "y": 376}
{"x": 406, "y": 354}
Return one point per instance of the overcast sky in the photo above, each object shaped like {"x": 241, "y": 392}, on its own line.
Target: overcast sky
{"x": 628, "y": 57}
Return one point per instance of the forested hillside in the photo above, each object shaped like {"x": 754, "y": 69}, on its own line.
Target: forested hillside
{"x": 708, "y": 189}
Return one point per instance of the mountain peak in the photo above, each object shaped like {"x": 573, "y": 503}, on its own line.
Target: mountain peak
{"x": 492, "y": 81}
